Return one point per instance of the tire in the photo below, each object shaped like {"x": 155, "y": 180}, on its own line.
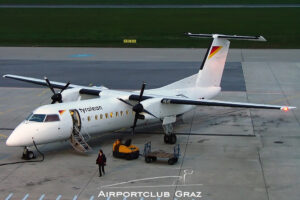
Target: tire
{"x": 171, "y": 161}
{"x": 154, "y": 159}
{"x": 166, "y": 139}
{"x": 148, "y": 159}
{"x": 128, "y": 157}
{"x": 173, "y": 139}
{"x": 30, "y": 155}
{"x": 176, "y": 160}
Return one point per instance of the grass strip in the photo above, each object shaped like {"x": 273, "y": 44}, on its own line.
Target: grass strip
{"x": 150, "y": 27}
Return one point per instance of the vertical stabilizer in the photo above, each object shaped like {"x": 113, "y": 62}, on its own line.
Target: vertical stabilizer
{"x": 211, "y": 70}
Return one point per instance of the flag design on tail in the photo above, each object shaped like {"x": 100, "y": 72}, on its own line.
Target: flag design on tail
{"x": 214, "y": 50}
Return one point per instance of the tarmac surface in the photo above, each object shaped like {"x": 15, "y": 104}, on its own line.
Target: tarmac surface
{"x": 226, "y": 153}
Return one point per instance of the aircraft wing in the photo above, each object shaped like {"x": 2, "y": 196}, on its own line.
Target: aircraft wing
{"x": 205, "y": 102}
{"x": 59, "y": 85}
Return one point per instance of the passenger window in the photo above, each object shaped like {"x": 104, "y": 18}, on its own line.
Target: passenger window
{"x": 111, "y": 115}
{"x": 52, "y": 118}
{"x": 96, "y": 117}
{"x": 89, "y": 118}
{"x": 126, "y": 112}
{"x": 121, "y": 113}
{"x": 117, "y": 114}
{"x": 101, "y": 116}
{"x": 106, "y": 115}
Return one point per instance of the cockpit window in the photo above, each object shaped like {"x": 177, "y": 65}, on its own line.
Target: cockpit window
{"x": 29, "y": 116}
{"x": 36, "y": 118}
{"x": 52, "y": 118}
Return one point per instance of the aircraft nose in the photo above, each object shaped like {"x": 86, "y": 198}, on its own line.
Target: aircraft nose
{"x": 12, "y": 140}
{"x": 19, "y": 138}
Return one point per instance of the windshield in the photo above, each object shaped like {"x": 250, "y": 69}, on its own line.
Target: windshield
{"x": 36, "y": 118}
{"x": 52, "y": 118}
{"x": 29, "y": 116}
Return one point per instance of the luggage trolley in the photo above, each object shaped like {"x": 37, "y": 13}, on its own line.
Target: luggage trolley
{"x": 151, "y": 156}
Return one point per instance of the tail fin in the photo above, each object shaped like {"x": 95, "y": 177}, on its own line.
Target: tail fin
{"x": 211, "y": 70}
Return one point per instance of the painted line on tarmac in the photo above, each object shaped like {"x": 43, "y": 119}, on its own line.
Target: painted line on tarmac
{"x": 4, "y": 156}
{"x": 43, "y": 92}
{"x": 3, "y": 136}
{"x": 9, "y": 196}
{"x": 284, "y": 98}
{"x": 75, "y": 197}
{"x": 42, "y": 197}
{"x": 12, "y": 109}
{"x": 142, "y": 179}
{"x": 80, "y": 55}
{"x": 58, "y": 197}
{"x": 26, "y": 196}
{"x": 92, "y": 198}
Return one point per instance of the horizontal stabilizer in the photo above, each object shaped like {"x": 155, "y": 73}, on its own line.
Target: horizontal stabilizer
{"x": 234, "y": 37}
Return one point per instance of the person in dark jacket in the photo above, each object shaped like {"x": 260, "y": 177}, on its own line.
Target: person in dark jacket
{"x": 101, "y": 161}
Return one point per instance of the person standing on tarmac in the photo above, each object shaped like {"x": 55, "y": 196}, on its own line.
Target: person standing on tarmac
{"x": 101, "y": 162}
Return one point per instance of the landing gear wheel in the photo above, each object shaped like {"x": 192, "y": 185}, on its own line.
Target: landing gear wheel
{"x": 173, "y": 139}
{"x": 31, "y": 155}
{"x": 166, "y": 139}
{"x": 170, "y": 139}
{"x": 28, "y": 155}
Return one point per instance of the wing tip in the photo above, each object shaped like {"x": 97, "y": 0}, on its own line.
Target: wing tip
{"x": 262, "y": 38}
{"x": 287, "y": 108}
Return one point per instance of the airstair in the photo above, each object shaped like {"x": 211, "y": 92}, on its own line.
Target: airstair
{"x": 79, "y": 137}
{"x": 78, "y": 141}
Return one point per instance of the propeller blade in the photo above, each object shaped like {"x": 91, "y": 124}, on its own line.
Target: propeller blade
{"x": 142, "y": 91}
{"x": 125, "y": 102}
{"x": 66, "y": 86}
{"x": 137, "y": 108}
{"x": 49, "y": 84}
{"x": 134, "y": 123}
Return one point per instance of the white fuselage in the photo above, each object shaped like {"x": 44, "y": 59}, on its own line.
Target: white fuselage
{"x": 98, "y": 115}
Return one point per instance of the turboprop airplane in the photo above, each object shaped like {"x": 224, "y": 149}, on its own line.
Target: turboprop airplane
{"x": 76, "y": 112}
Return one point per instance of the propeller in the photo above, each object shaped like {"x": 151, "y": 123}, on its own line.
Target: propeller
{"x": 56, "y": 97}
{"x": 138, "y": 108}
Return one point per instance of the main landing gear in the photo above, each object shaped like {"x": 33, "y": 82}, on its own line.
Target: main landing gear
{"x": 170, "y": 137}
{"x": 28, "y": 155}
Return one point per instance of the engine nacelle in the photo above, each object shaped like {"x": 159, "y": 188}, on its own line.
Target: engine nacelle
{"x": 71, "y": 95}
{"x": 161, "y": 110}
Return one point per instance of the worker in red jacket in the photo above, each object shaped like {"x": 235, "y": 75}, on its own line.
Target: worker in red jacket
{"x": 101, "y": 161}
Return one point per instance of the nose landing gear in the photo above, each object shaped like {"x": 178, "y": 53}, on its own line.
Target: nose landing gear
{"x": 28, "y": 155}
